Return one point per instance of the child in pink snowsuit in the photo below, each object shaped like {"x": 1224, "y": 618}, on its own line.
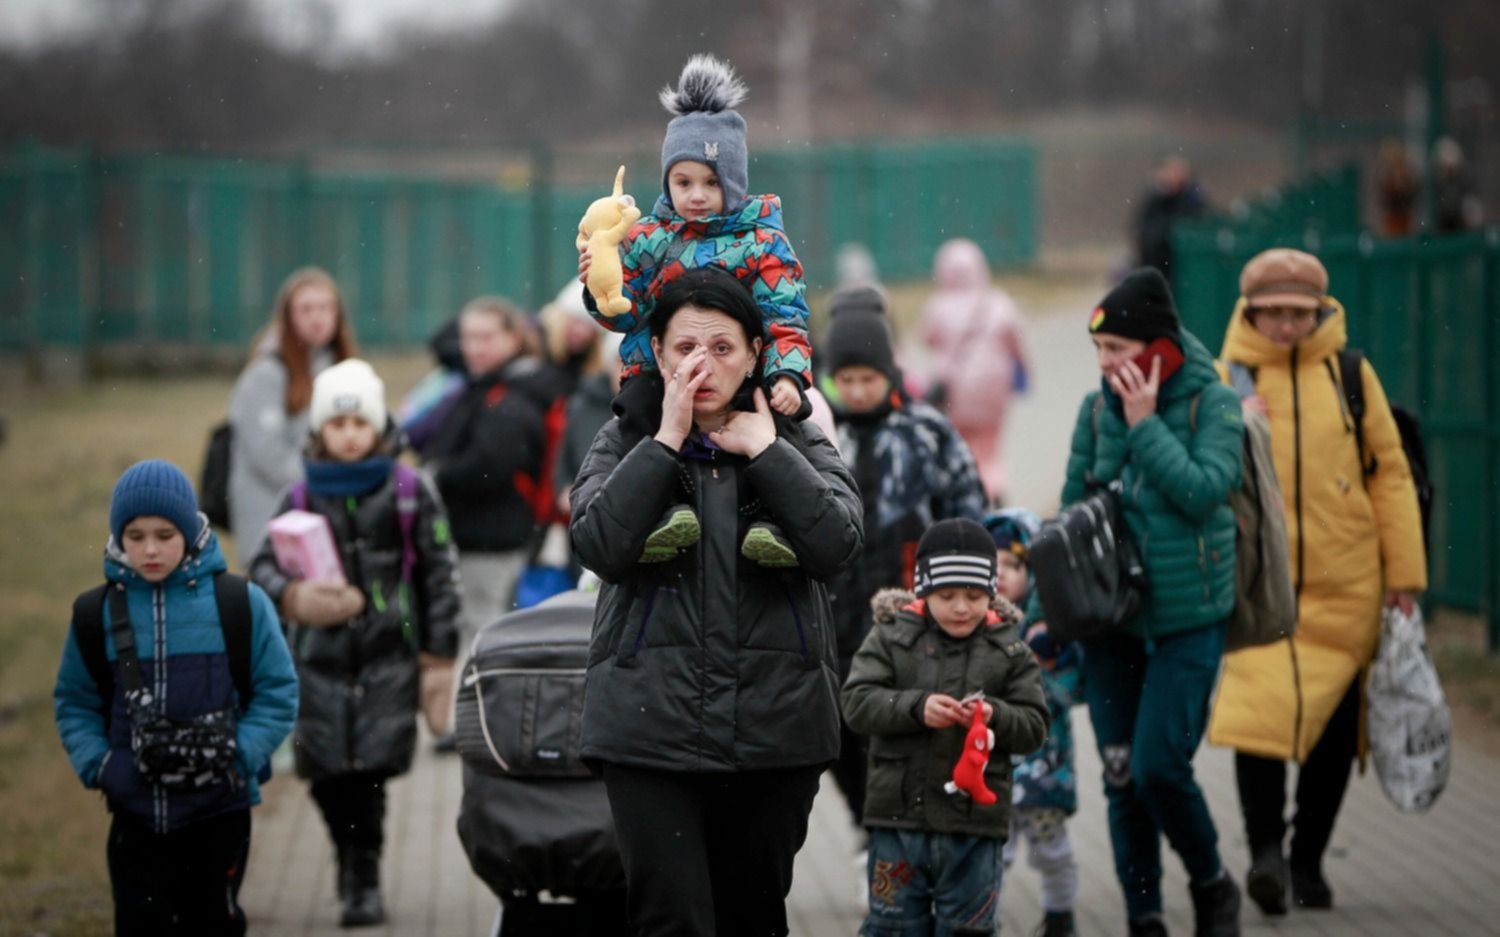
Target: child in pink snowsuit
{"x": 974, "y": 331}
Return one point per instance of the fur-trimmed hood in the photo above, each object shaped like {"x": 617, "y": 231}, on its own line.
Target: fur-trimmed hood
{"x": 888, "y": 603}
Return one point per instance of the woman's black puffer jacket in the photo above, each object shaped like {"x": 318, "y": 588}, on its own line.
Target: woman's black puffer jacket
{"x": 710, "y": 662}
{"x": 359, "y": 680}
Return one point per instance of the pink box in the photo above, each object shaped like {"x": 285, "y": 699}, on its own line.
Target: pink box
{"x": 304, "y": 547}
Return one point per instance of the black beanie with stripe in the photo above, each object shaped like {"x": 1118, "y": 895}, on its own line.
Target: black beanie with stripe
{"x": 955, "y": 553}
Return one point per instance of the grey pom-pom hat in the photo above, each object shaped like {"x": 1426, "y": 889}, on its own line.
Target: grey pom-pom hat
{"x": 706, "y": 129}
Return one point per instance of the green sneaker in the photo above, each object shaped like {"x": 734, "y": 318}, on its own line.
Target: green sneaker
{"x": 765, "y": 545}
{"x": 678, "y": 528}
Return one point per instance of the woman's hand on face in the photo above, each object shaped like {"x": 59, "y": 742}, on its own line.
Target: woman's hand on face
{"x": 747, "y": 434}
{"x": 677, "y": 399}
{"x": 1136, "y": 390}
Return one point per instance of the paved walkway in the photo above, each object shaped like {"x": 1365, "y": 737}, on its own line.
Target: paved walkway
{"x": 1392, "y": 874}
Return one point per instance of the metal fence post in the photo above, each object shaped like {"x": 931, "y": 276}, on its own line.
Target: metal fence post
{"x": 1491, "y": 496}
{"x": 541, "y": 224}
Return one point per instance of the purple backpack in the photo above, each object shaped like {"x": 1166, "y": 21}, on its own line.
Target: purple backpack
{"x": 407, "y": 481}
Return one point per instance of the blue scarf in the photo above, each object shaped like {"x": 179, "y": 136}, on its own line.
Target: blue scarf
{"x": 341, "y": 479}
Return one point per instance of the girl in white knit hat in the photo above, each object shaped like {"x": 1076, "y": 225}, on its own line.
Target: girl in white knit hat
{"x": 370, "y": 648}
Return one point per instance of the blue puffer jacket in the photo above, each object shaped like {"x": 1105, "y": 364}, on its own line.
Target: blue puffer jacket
{"x": 181, "y": 646}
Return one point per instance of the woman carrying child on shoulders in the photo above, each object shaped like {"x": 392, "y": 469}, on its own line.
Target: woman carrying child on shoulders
{"x": 711, "y": 704}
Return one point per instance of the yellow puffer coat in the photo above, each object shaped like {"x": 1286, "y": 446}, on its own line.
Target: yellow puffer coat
{"x": 1350, "y": 539}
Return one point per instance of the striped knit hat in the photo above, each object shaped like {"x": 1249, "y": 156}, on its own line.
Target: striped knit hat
{"x": 955, "y": 553}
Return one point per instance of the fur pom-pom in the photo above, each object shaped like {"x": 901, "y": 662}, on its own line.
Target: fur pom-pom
{"x": 706, "y": 84}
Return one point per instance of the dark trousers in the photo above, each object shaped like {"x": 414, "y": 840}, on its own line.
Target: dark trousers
{"x": 186, "y": 882}
{"x": 592, "y": 914}
{"x": 709, "y": 855}
{"x": 353, "y": 806}
{"x": 1321, "y": 784}
{"x": 850, "y": 771}
{"x": 1149, "y": 707}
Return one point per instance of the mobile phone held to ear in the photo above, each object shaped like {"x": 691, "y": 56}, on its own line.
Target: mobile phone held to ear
{"x": 1165, "y": 349}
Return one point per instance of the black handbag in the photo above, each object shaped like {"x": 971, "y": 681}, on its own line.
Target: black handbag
{"x": 1089, "y": 572}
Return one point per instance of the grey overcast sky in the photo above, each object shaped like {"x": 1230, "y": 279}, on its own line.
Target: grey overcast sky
{"x": 360, "y": 24}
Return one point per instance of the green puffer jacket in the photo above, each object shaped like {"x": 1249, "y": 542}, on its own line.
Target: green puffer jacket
{"x": 1177, "y": 469}
{"x": 904, "y": 659}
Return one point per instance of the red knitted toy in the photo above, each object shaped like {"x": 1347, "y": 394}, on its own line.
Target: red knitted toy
{"x": 968, "y": 774}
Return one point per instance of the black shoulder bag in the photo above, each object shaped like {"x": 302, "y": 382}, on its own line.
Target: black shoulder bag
{"x": 1089, "y": 572}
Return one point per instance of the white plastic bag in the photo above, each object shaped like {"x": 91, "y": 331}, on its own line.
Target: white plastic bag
{"x": 1410, "y": 728}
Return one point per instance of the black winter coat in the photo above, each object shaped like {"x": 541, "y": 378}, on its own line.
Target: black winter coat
{"x": 493, "y": 438}
{"x": 710, "y": 662}
{"x": 359, "y": 681}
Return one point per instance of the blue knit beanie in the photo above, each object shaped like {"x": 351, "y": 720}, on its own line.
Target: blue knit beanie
{"x": 1013, "y": 530}
{"x": 705, "y": 129}
{"x": 157, "y": 489}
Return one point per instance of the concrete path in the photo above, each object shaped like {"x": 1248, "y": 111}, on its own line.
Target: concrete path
{"x": 1392, "y": 874}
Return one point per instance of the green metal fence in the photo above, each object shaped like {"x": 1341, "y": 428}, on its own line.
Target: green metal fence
{"x": 108, "y": 249}
{"x": 1325, "y": 203}
{"x": 1427, "y": 314}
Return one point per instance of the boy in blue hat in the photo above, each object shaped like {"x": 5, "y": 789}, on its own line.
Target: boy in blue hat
{"x": 175, "y": 688}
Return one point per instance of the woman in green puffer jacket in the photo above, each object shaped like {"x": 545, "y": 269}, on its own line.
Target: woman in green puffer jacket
{"x": 1164, "y": 426}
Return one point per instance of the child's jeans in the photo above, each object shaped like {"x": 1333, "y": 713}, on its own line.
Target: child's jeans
{"x": 1049, "y": 850}
{"x": 939, "y": 884}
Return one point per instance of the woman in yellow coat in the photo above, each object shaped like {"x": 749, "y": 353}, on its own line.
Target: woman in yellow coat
{"x": 1355, "y": 540}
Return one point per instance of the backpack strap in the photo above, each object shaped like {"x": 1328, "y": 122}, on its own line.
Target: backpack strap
{"x": 232, "y": 596}
{"x": 299, "y": 495}
{"x": 88, "y": 634}
{"x": 1351, "y": 381}
{"x": 127, "y": 661}
{"x": 407, "y": 484}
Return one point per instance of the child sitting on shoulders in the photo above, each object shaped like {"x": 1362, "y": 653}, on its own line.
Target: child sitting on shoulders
{"x": 1045, "y": 791}
{"x": 705, "y": 216}
{"x": 929, "y": 661}
{"x": 369, "y": 650}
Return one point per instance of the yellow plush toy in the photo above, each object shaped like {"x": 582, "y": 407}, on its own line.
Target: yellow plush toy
{"x": 602, "y": 229}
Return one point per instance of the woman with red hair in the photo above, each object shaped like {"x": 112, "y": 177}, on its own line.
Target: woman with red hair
{"x": 309, "y": 330}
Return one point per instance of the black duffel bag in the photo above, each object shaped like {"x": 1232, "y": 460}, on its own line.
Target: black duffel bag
{"x": 1089, "y": 572}
{"x": 520, "y": 695}
{"x": 533, "y": 818}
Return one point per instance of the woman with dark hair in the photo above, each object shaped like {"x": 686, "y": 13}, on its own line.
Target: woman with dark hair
{"x": 309, "y": 330}
{"x": 712, "y": 695}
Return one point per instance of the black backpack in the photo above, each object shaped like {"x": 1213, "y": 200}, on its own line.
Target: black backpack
{"x": 213, "y": 483}
{"x": 1351, "y": 378}
{"x": 231, "y": 595}
{"x": 1089, "y": 572}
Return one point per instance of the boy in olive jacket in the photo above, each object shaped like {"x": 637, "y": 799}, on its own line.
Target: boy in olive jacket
{"x": 913, "y": 686}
